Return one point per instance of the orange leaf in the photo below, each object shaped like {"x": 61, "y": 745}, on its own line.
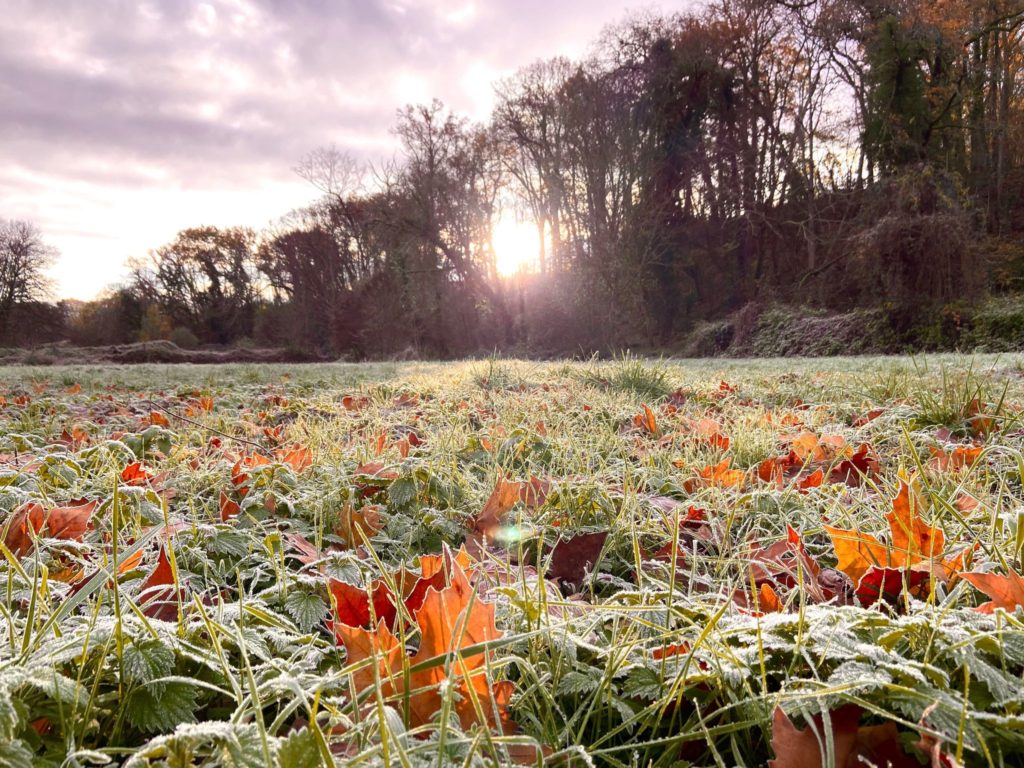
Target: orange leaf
{"x": 504, "y": 496}
{"x": 134, "y": 474}
{"x": 298, "y": 458}
{"x": 768, "y": 600}
{"x": 646, "y": 421}
{"x": 353, "y": 524}
{"x": 1007, "y": 592}
{"x": 911, "y": 537}
{"x": 228, "y": 508}
{"x": 158, "y": 419}
{"x": 857, "y": 552}
{"x": 157, "y": 592}
{"x": 852, "y": 746}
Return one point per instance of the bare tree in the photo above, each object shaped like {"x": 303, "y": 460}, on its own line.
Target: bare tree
{"x": 24, "y": 258}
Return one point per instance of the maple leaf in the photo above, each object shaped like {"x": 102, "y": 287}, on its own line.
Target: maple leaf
{"x": 961, "y": 457}
{"x": 299, "y": 458}
{"x": 228, "y": 508}
{"x": 354, "y": 524}
{"x": 450, "y": 620}
{"x": 1007, "y": 592}
{"x": 888, "y": 584}
{"x": 352, "y": 605}
{"x": 716, "y": 476}
{"x": 914, "y": 545}
{"x": 134, "y": 474}
{"x": 69, "y": 523}
{"x": 646, "y": 421}
{"x": 157, "y": 419}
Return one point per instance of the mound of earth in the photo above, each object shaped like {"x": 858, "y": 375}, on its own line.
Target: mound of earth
{"x": 149, "y": 352}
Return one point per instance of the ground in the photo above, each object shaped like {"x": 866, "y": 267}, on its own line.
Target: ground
{"x": 623, "y": 563}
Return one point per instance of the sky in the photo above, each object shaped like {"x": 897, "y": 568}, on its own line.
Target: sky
{"x": 122, "y": 123}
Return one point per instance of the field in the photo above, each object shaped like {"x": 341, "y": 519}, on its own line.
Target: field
{"x": 623, "y": 563}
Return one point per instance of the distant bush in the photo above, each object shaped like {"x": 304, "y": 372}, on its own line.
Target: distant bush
{"x": 184, "y": 338}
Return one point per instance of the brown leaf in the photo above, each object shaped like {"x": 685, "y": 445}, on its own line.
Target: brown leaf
{"x": 853, "y": 746}
{"x": 572, "y": 558}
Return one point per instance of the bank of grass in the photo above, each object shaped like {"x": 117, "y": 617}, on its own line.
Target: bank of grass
{"x": 250, "y": 675}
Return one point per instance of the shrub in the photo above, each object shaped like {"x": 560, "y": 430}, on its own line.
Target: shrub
{"x": 184, "y": 338}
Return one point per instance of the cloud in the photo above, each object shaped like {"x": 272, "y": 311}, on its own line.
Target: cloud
{"x": 123, "y": 122}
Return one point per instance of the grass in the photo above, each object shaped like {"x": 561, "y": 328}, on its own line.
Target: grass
{"x": 246, "y": 672}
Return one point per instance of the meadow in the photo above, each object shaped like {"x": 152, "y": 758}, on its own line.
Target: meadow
{"x": 611, "y": 563}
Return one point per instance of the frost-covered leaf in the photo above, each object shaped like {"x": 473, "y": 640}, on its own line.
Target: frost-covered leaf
{"x": 307, "y": 609}
{"x": 147, "y": 660}
{"x": 153, "y": 713}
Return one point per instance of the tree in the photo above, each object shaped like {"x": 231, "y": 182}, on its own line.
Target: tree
{"x": 204, "y": 280}
{"x": 24, "y": 258}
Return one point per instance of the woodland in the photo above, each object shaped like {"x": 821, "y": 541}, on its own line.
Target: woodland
{"x": 853, "y": 159}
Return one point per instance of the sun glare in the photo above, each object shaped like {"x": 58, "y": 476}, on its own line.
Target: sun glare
{"x": 516, "y": 246}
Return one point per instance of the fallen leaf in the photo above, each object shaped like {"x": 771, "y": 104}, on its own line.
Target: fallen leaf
{"x": 1007, "y": 592}
{"x": 572, "y": 558}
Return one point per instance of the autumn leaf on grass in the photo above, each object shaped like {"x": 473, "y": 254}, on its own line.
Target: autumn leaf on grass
{"x": 646, "y": 421}
{"x": 450, "y": 620}
{"x": 980, "y": 423}
{"x": 135, "y": 474}
{"x": 158, "y": 595}
{"x": 573, "y": 558}
{"x": 298, "y": 457}
{"x": 228, "y": 508}
{"x": 913, "y": 545}
{"x": 787, "y": 564}
{"x": 1007, "y": 592}
{"x": 373, "y": 477}
{"x": 69, "y": 523}
{"x": 157, "y": 419}
{"x": 851, "y": 745}
{"x": 961, "y": 457}
{"x": 504, "y": 496}
{"x": 355, "y": 524}
{"x": 716, "y": 476}
{"x": 889, "y": 584}
{"x": 708, "y": 432}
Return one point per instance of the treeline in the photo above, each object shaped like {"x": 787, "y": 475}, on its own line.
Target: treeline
{"x": 834, "y": 153}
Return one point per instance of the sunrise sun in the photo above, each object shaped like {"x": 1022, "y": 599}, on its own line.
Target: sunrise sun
{"x": 516, "y": 246}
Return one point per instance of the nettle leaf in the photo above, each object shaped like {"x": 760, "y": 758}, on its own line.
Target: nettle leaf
{"x": 577, "y": 682}
{"x": 14, "y": 754}
{"x": 299, "y": 750}
{"x": 643, "y": 683}
{"x": 153, "y": 713}
{"x": 402, "y": 491}
{"x": 147, "y": 660}
{"x": 228, "y": 542}
{"x": 307, "y": 609}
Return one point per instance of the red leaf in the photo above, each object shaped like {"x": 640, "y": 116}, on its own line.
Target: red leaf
{"x": 887, "y": 584}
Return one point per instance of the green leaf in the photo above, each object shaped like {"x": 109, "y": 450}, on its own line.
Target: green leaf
{"x": 299, "y": 750}
{"x": 14, "y": 754}
{"x": 403, "y": 491}
{"x": 307, "y": 609}
{"x": 226, "y": 542}
{"x": 643, "y": 683}
{"x": 147, "y": 660}
{"x": 161, "y": 713}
